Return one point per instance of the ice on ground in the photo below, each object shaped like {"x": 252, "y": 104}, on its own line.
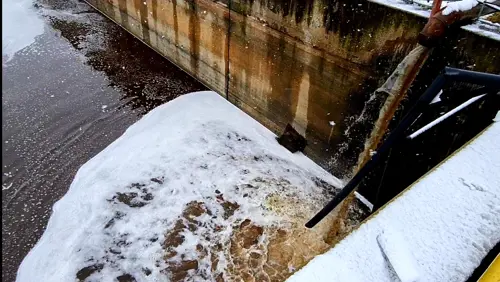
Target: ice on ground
{"x": 20, "y": 26}
{"x": 194, "y": 190}
{"x": 446, "y": 223}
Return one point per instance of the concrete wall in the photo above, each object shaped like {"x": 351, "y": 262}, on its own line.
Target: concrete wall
{"x": 305, "y": 62}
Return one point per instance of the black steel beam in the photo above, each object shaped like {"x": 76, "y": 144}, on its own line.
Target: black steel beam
{"x": 490, "y": 81}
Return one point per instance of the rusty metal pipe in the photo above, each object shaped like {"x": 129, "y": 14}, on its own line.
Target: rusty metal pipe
{"x": 436, "y": 7}
{"x": 438, "y": 24}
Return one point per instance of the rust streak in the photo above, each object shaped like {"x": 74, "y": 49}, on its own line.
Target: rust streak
{"x": 176, "y": 23}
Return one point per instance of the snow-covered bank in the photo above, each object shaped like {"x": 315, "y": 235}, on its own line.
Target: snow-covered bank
{"x": 195, "y": 189}
{"x": 438, "y": 230}
{"x": 20, "y": 25}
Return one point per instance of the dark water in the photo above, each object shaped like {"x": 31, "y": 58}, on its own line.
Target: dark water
{"x": 84, "y": 81}
{"x": 64, "y": 99}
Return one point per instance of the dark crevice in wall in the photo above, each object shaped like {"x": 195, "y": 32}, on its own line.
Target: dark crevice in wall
{"x": 194, "y": 35}
{"x": 143, "y": 16}
{"x": 122, "y": 6}
{"x": 154, "y": 4}
{"x": 295, "y": 8}
{"x": 281, "y": 77}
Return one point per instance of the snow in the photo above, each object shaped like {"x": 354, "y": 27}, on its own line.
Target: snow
{"x": 197, "y": 161}
{"x": 422, "y": 8}
{"x": 445, "y": 224}
{"x": 397, "y": 254}
{"x": 416, "y": 9}
{"x": 458, "y": 6}
{"x": 20, "y": 26}
{"x": 491, "y": 30}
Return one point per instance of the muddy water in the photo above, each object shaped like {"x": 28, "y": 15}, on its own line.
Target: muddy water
{"x": 64, "y": 99}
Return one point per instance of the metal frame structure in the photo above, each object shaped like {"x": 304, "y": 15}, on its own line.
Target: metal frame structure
{"x": 490, "y": 86}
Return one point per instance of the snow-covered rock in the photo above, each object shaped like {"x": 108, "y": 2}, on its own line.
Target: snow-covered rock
{"x": 196, "y": 189}
{"x": 437, "y": 230}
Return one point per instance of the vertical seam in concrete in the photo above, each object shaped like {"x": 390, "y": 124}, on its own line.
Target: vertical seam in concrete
{"x": 301, "y": 110}
{"x": 154, "y": 14}
{"x": 176, "y": 24}
{"x": 228, "y": 40}
{"x": 122, "y": 7}
{"x": 141, "y": 7}
{"x": 194, "y": 36}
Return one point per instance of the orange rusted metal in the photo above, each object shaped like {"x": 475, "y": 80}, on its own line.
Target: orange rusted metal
{"x": 436, "y": 7}
{"x": 396, "y": 92}
{"x": 402, "y": 77}
{"x": 438, "y": 24}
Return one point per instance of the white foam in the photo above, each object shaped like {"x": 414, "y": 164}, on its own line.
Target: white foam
{"x": 196, "y": 146}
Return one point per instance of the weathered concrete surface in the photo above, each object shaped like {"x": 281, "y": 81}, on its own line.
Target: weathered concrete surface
{"x": 301, "y": 62}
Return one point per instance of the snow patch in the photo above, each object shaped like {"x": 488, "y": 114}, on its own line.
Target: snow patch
{"x": 20, "y": 26}
{"x": 488, "y": 30}
{"x": 397, "y": 254}
{"x": 458, "y": 6}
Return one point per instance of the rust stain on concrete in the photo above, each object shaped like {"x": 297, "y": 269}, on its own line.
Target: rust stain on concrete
{"x": 347, "y": 49}
{"x": 194, "y": 36}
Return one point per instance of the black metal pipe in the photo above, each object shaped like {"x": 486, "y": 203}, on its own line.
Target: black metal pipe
{"x": 393, "y": 138}
{"x": 486, "y": 79}
{"x": 490, "y": 81}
